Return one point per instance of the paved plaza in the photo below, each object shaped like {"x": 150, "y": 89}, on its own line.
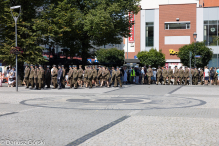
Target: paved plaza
{"x": 135, "y": 115}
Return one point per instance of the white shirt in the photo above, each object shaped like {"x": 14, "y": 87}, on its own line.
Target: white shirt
{"x": 207, "y": 72}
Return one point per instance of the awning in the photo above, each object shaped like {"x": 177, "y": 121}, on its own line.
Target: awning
{"x": 132, "y": 61}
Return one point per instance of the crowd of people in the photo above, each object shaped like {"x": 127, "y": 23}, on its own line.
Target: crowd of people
{"x": 38, "y": 78}
{"x": 176, "y": 76}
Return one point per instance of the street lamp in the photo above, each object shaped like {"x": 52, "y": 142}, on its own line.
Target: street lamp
{"x": 195, "y": 36}
{"x": 15, "y": 19}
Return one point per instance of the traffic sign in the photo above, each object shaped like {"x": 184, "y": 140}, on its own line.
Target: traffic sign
{"x": 135, "y": 57}
{"x": 89, "y": 60}
{"x": 198, "y": 56}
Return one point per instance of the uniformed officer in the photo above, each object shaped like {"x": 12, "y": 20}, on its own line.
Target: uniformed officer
{"x": 80, "y": 75}
{"x": 89, "y": 77}
{"x": 35, "y": 77}
{"x": 196, "y": 74}
{"x": 181, "y": 75}
{"x": 31, "y": 76}
{"x": 104, "y": 73}
{"x": 113, "y": 78}
{"x": 63, "y": 76}
{"x": 186, "y": 75}
{"x": 26, "y": 75}
{"x": 201, "y": 75}
{"x": 149, "y": 74}
{"x": 85, "y": 76}
{"x": 54, "y": 76}
{"x": 108, "y": 76}
{"x": 118, "y": 76}
{"x": 70, "y": 73}
{"x": 48, "y": 76}
{"x": 40, "y": 77}
{"x": 164, "y": 74}
{"x": 59, "y": 77}
{"x": 176, "y": 75}
{"x": 95, "y": 80}
{"x": 99, "y": 74}
{"x": 170, "y": 74}
{"x": 192, "y": 73}
{"x": 159, "y": 73}
{"x": 75, "y": 77}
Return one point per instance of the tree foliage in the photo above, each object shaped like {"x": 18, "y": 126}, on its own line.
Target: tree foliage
{"x": 111, "y": 56}
{"x": 79, "y": 25}
{"x": 198, "y": 48}
{"x": 152, "y": 57}
{"x": 27, "y": 36}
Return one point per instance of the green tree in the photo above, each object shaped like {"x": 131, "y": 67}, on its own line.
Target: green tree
{"x": 111, "y": 56}
{"x": 152, "y": 57}
{"x": 197, "y": 49}
{"x": 79, "y": 25}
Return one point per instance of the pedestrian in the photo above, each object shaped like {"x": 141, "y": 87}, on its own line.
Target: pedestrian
{"x": 80, "y": 75}
{"x": 142, "y": 75}
{"x": 164, "y": 74}
{"x": 125, "y": 75}
{"x": 159, "y": 73}
{"x": 40, "y": 77}
{"x": 117, "y": 78}
{"x": 63, "y": 76}
{"x": 1, "y": 79}
{"x": 207, "y": 72}
{"x": 217, "y": 76}
{"x": 149, "y": 74}
{"x": 26, "y": 76}
{"x": 176, "y": 75}
{"x": 11, "y": 81}
{"x": 212, "y": 76}
{"x": 48, "y": 77}
{"x": 54, "y": 76}
{"x": 137, "y": 73}
{"x": 154, "y": 75}
{"x": 186, "y": 75}
{"x": 132, "y": 74}
{"x": 59, "y": 77}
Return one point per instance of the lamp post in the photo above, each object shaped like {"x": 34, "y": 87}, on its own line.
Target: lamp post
{"x": 195, "y": 36}
{"x": 15, "y": 19}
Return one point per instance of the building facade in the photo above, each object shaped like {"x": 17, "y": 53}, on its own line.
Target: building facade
{"x": 171, "y": 26}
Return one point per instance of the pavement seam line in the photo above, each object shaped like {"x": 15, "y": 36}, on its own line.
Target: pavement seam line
{"x": 96, "y": 132}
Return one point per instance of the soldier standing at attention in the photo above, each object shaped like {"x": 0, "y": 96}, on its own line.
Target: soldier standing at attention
{"x": 192, "y": 73}
{"x": 181, "y": 74}
{"x": 176, "y": 75}
{"x": 26, "y": 76}
{"x": 31, "y": 77}
{"x": 40, "y": 76}
{"x": 48, "y": 77}
{"x": 164, "y": 74}
{"x": 186, "y": 75}
{"x": 75, "y": 77}
{"x": 117, "y": 78}
{"x": 196, "y": 74}
{"x": 89, "y": 77}
{"x": 60, "y": 77}
{"x": 80, "y": 75}
{"x": 35, "y": 77}
{"x": 95, "y": 76}
{"x": 149, "y": 74}
{"x": 85, "y": 77}
{"x": 54, "y": 76}
{"x": 63, "y": 76}
{"x": 159, "y": 73}
{"x": 170, "y": 75}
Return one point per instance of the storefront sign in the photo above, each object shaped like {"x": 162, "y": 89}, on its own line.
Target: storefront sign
{"x": 132, "y": 29}
{"x": 172, "y": 52}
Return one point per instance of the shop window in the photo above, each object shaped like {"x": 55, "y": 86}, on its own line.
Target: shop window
{"x": 149, "y": 34}
{"x": 177, "y": 25}
{"x": 211, "y": 32}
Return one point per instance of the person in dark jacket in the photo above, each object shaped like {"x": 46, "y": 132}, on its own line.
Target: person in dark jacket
{"x": 60, "y": 77}
{"x": 48, "y": 77}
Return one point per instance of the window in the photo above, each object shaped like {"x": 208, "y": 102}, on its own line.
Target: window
{"x": 177, "y": 25}
{"x": 149, "y": 34}
{"x": 211, "y": 32}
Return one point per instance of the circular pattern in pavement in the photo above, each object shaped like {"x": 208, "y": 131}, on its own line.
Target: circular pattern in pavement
{"x": 114, "y": 102}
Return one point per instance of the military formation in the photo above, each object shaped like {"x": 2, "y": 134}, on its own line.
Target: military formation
{"x": 181, "y": 76}
{"x": 38, "y": 78}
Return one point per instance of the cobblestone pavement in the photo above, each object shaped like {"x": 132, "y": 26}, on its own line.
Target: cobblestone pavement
{"x": 136, "y": 115}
